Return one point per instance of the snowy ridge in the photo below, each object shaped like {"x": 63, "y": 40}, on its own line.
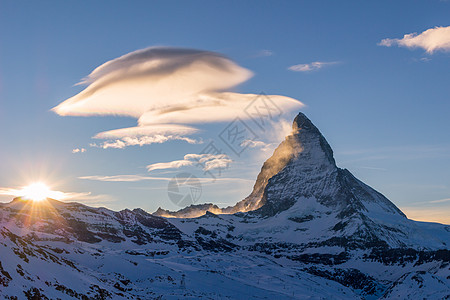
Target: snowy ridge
{"x": 308, "y": 230}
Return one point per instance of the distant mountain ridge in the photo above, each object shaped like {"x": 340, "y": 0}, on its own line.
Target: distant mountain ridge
{"x": 308, "y": 230}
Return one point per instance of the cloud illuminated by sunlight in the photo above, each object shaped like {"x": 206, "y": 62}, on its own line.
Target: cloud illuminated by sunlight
{"x": 141, "y": 141}
{"x": 207, "y": 161}
{"x": 145, "y": 135}
{"x": 431, "y": 40}
{"x": 78, "y": 150}
{"x": 155, "y": 77}
{"x": 213, "y": 107}
{"x": 316, "y": 65}
{"x": 166, "y": 89}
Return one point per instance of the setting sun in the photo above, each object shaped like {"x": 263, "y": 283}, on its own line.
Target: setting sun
{"x": 37, "y": 192}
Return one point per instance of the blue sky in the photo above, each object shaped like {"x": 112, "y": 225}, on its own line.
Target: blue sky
{"x": 384, "y": 110}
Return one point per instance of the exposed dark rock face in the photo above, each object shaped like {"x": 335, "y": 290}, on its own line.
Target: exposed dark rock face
{"x": 311, "y": 171}
{"x": 306, "y": 221}
{"x": 301, "y": 166}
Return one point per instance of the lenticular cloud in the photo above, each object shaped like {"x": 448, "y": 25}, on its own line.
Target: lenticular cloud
{"x": 152, "y": 78}
{"x": 166, "y": 89}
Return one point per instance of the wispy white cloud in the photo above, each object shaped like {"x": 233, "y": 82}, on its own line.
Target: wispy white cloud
{"x": 440, "y": 200}
{"x": 162, "y": 129}
{"x": 145, "y": 135}
{"x": 264, "y": 53}
{"x": 121, "y": 178}
{"x": 137, "y": 178}
{"x": 264, "y": 147}
{"x": 141, "y": 141}
{"x": 282, "y": 129}
{"x": 253, "y": 144}
{"x": 79, "y": 150}
{"x": 176, "y": 164}
{"x": 164, "y": 88}
{"x": 206, "y": 161}
{"x": 316, "y": 65}
{"x": 431, "y": 40}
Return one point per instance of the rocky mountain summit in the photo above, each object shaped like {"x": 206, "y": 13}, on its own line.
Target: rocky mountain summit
{"x": 308, "y": 230}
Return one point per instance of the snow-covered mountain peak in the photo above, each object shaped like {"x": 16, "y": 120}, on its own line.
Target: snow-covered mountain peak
{"x": 307, "y": 134}
{"x": 305, "y": 147}
{"x": 310, "y": 171}
{"x": 308, "y": 230}
{"x": 302, "y": 167}
{"x": 301, "y": 183}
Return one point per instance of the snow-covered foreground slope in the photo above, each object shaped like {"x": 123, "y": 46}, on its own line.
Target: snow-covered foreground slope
{"x": 76, "y": 251}
{"x": 309, "y": 230}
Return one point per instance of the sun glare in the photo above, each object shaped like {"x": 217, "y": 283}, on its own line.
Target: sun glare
{"x": 37, "y": 192}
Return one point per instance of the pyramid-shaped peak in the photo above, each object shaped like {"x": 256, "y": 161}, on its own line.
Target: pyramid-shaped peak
{"x": 306, "y": 134}
{"x": 309, "y": 171}
{"x": 301, "y": 121}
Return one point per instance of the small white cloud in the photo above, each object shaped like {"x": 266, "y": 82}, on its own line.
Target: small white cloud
{"x": 316, "y": 65}
{"x": 217, "y": 163}
{"x": 79, "y": 150}
{"x": 253, "y": 144}
{"x": 176, "y": 164}
{"x": 264, "y": 53}
{"x": 431, "y": 40}
{"x": 145, "y": 135}
{"x": 141, "y": 141}
{"x": 263, "y": 146}
{"x": 206, "y": 161}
